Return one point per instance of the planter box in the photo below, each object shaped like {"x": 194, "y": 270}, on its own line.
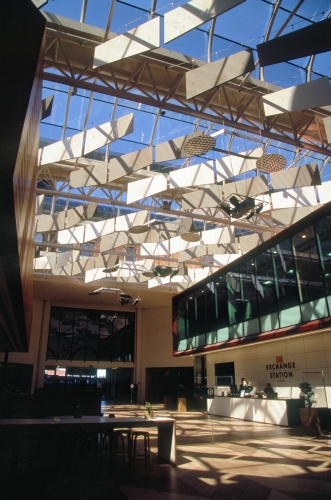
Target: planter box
{"x": 181, "y": 405}
{"x": 310, "y": 421}
{"x": 168, "y": 402}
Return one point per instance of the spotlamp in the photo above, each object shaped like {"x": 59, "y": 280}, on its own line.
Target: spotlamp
{"x": 111, "y": 269}
{"x": 237, "y": 205}
{"x": 174, "y": 272}
{"x": 162, "y": 271}
{"x": 226, "y": 208}
{"x": 259, "y": 208}
{"x": 234, "y": 200}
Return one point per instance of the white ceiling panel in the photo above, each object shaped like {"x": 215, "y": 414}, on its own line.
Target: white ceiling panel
{"x": 305, "y": 175}
{"x": 214, "y": 74}
{"x": 96, "y": 175}
{"x": 77, "y": 215}
{"x": 46, "y": 223}
{"x": 201, "y": 250}
{"x": 186, "y": 255}
{"x": 221, "y": 249}
{"x": 218, "y": 235}
{"x": 152, "y": 236}
{"x": 125, "y": 222}
{"x": 202, "y": 198}
{"x": 45, "y": 262}
{"x": 298, "y": 98}
{"x": 231, "y": 166}
{"x": 108, "y": 132}
{"x": 297, "y": 197}
{"x": 94, "y": 275}
{"x": 63, "y": 258}
{"x": 72, "y": 147}
{"x": 141, "y": 39}
{"x": 85, "y": 142}
{"x": 193, "y": 14}
{"x": 103, "y": 172}
{"x": 71, "y": 236}
{"x": 105, "y": 261}
{"x": 248, "y": 187}
{"x": 111, "y": 241}
{"x": 196, "y": 175}
{"x": 324, "y": 192}
{"x": 288, "y": 216}
{"x": 146, "y": 187}
{"x": 161, "y": 248}
{"x": 191, "y": 253}
{"x": 131, "y": 162}
{"x": 84, "y": 264}
{"x": 174, "y": 149}
{"x": 177, "y": 245}
{"x": 98, "y": 229}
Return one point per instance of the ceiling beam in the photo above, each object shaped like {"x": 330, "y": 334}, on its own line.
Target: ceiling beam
{"x": 176, "y": 213}
{"x": 150, "y": 101}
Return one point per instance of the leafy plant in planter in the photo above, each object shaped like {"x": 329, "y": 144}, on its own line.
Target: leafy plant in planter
{"x": 310, "y": 421}
{"x": 248, "y": 388}
{"x": 307, "y": 394}
{"x": 149, "y": 413}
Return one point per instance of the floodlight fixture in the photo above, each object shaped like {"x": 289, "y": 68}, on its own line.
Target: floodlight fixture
{"x": 162, "y": 271}
{"x": 107, "y": 290}
{"x": 236, "y": 205}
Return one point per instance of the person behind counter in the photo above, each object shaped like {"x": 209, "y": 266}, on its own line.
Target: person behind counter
{"x": 269, "y": 392}
{"x": 243, "y": 385}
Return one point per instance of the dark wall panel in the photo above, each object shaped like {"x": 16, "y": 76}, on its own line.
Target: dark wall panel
{"x": 21, "y": 40}
{"x": 308, "y": 41}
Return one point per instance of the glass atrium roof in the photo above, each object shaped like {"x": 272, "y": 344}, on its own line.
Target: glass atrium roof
{"x": 138, "y": 103}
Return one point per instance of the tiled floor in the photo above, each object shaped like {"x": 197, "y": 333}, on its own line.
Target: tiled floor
{"x": 218, "y": 458}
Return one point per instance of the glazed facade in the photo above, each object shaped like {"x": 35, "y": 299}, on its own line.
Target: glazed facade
{"x": 286, "y": 281}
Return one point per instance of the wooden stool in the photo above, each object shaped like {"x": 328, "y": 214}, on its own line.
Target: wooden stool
{"x": 34, "y": 450}
{"x": 103, "y": 435}
{"x": 147, "y": 450}
{"x": 121, "y": 434}
{"x": 9, "y": 452}
{"x": 78, "y": 450}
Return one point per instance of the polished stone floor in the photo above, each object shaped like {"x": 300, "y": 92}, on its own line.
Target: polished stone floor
{"x": 217, "y": 458}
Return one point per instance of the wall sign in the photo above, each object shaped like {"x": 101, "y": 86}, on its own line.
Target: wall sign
{"x": 210, "y": 393}
{"x": 280, "y": 369}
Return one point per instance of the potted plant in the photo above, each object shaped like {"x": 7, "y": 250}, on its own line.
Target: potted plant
{"x": 310, "y": 421}
{"x": 149, "y": 413}
{"x": 307, "y": 394}
{"x": 248, "y": 388}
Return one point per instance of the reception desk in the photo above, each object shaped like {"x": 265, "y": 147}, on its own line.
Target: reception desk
{"x": 270, "y": 411}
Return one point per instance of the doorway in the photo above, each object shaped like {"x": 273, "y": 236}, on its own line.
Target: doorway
{"x": 174, "y": 382}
